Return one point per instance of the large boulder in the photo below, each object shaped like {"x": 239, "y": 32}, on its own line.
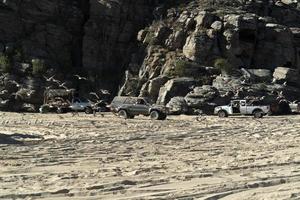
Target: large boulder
{"x": 204, "y": 20}
{"x": 177, "y": 105}
{"x": 175, "y": 87}
{"x": 155, "y": 85}
{"x": 226, "y": 83}
{"x": 257, "y": 75}
{"x": 201, "y": 95}
{"x": 282, "y": 74}
{"x": 199, "y": 47}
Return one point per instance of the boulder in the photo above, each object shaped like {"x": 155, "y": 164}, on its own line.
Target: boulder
{"x": 290, "y": 2}
{"x": 177, "y": 105}
{"x": 175, "y": 87}
{"x": 261, "y": 73}
{"x": 201, "y": 95}
{"x": 286, "y": 74}
{"x": 226, "y": 83}
{"x": 217, "y": 25}
{"x": 204, "y": 20}
{"x": 199, "y": 47}
{"x": 155, "y": 85}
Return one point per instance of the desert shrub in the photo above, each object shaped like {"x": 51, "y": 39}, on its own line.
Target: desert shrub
{"x": 179, "y": 69}
{"x": 38, "y": 67}
{"x": 223, "y": 65}
{"x": 5, "y": 64}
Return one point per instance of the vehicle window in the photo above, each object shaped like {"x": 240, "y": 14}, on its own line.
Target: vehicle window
{"x": 243, "y": 104}
{"x": 129, "y": 101}
{"x": 140, "y": 102}
{"x": 76, "y": 100}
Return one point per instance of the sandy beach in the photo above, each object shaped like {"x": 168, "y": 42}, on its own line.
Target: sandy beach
{"x": 85, "y": 157}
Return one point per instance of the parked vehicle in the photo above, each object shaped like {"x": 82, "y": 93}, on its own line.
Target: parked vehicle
{"x": 61, "y": 101}
{"x": 56, "y": 100}
{"x": 242, "y": 107}
{"x": 295, "y": 107}
{"x": 128, "y": 107}
{"x": 80, "y": 105}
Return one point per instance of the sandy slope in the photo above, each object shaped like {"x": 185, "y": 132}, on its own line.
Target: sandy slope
{"x": 87, "y": 157}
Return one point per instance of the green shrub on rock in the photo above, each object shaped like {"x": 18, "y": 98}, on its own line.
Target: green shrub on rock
{"x": 224, "y": 66}
{"x": 38, "y": 67}
{"x": 5, "y": 64}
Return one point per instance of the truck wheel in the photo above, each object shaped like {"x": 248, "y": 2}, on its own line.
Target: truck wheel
{"x": 123, "y": 114}
{"x": 222, "y": 114}
{"x": 44, "y": 109}
{"x": 130, "y": 116}
{"x": 88, "y": 110}
{"x": 163, "y": 116}
{"x": 258, "y": 114}
{"x": 155, "y": 115}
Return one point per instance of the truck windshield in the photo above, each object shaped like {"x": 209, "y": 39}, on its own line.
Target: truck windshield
{"x": 141, "y": 102}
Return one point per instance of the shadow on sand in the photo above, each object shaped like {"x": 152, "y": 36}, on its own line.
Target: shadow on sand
{"x": 16, "y": 138}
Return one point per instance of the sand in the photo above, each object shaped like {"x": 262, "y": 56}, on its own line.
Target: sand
{"x": 85, "y": 157}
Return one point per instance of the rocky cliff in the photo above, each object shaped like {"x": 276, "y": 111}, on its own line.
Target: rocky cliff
{"x": 148, "y": 45}
{"x": 244, "y": 40}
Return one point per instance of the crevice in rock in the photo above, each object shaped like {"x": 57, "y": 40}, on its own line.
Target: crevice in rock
{"x": 77, "y": 46}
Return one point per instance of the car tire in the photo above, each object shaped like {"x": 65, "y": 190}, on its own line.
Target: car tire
{"x": 123, "y": 114}
{"x": 222, "y": 114}
{"x": 163, "y": 116}
{"x": 258, "y": 114}
{"x": 130, "y": 116}
{"x": 88, "y": 110}
{"x": 155, "y": 115}
{"x": 44, "y": 109}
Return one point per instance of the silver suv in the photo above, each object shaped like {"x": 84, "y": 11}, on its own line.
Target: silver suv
{"x": 128, "y": 107}
{"x": 81, "y": 104}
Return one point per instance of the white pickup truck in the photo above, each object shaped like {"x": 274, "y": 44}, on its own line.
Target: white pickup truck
{"x": 242, "y": 107}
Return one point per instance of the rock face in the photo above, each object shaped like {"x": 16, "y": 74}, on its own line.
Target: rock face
{"x": 145, "y": 47}
{"x": 249, "y": 35}
{"x": 44, "y": 29}
{"x": 110, "y": 36}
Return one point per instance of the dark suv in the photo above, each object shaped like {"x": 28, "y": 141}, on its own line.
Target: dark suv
{"x": 128, "y": 107}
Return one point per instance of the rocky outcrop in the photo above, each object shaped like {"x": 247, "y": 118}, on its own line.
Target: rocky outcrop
{"x": 175, "y": 87}
{"x": 89, "y": 37}
{"x": 286, "y": 75}
{"x": 149, "y": 45}
{"x": 110, "y": 37}
{"x": 249, "y": 35}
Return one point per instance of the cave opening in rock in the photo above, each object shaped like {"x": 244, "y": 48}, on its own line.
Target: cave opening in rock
{"x": 247, "y": 35}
